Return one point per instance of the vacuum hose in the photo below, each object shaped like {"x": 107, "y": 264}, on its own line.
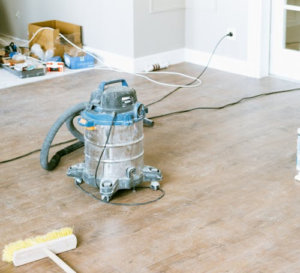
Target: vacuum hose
{"x": 67, "y": 117}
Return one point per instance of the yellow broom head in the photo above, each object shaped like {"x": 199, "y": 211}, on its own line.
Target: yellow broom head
{"x": 8, "y": 252}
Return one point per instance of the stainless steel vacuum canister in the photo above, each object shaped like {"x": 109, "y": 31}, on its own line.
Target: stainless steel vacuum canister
{"x": 114, "y": 150}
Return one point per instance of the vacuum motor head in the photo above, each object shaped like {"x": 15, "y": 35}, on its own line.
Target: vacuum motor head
{"x": 119, "y": 100}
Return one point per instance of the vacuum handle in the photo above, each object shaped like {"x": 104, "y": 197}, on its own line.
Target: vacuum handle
{"x": 102, "y": 84}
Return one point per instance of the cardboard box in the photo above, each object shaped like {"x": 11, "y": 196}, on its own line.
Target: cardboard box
{"x": 79, "y": 62}
{"x": 25, "y": 51}
{"x": 50, "y": 39}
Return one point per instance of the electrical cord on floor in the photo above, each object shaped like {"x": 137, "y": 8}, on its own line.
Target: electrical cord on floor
{"x": 123, "y": 204}
{"x": 174, "y": 113}
{"x": 226, "y": 105}
{"x": 200, "y": 75}
{"x": 36, "y": 151}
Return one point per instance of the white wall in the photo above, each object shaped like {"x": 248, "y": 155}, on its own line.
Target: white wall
{"x": 207, "y": 21}
{"x": 128, "y": 36}
{"x": 123, "y": 27}
{"x": 157, "y": 32}
{"x": 106, "y": 24}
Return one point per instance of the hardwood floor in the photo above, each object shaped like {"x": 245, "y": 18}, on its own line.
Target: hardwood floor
{"x": 231, "y": 203}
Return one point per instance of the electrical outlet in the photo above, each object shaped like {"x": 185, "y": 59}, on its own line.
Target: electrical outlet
{"x": 233, "y": 31}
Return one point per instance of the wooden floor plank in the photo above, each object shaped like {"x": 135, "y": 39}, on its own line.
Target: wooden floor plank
{"x": 231, "y": 202}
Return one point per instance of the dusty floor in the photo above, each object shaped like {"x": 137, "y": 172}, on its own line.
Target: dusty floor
{"x": 231, "y": 202}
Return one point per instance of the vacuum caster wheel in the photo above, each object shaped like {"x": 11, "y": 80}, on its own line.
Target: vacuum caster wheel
{"x": 154, "y": 185}
{"x": 105, "y": 198}
{"x": 78, "y": 180}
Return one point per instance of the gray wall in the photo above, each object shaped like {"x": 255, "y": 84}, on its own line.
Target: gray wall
{"x": 157, "y": 32}
{"x": 206, "y": 22}
{"x": 106, "y": 24}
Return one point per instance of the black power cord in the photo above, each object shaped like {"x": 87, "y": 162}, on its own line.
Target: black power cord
{"x": 174, "y": 113}
{"x": 200, "y": 75}
{"x": 104, "y": 148}
{"x": 123, "y": 204}
{"x": 226, "y": 105}
{"x": 96, "y": 172}
{"x": 36, "y": 151}
{"x": 176, "y": 89}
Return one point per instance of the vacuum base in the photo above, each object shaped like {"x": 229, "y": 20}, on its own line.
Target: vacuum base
{"x": 109, "y": 185}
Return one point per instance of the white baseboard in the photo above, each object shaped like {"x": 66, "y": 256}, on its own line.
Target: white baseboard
{"x": 172, "y": 57}
{"x": 136, "y": 64}
{"x": 112, "y": 59}
{"x": 218, "y": 62}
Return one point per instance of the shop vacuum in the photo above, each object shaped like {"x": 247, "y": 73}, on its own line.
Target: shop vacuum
{"x": 114, "y": 152}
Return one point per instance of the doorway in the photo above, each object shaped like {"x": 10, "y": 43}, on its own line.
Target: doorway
{"x": 285, "y": 39}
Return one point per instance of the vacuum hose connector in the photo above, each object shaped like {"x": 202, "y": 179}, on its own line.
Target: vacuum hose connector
{"x": 67, "y": 117}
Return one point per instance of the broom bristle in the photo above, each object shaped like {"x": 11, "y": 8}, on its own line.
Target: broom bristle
{"x": 8, "y": 252}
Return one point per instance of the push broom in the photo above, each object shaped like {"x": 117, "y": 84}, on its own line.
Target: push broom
{"x": 33, "y": 249}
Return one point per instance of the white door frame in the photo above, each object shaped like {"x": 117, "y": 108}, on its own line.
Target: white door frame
{"x": 284, "y": 61}
{"x": 259, "y": 19}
